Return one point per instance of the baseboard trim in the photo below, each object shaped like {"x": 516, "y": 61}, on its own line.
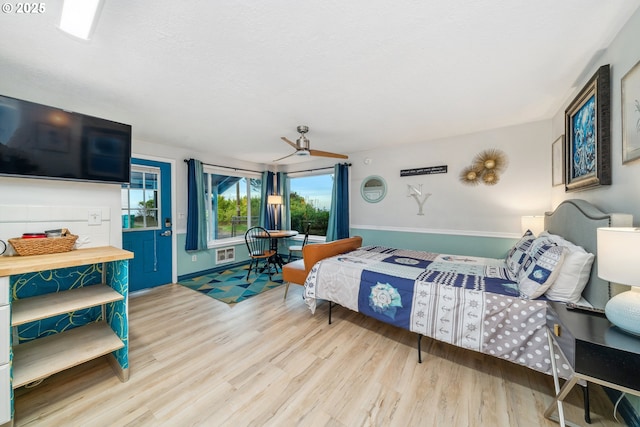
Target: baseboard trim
{"x": 625, "y": 409}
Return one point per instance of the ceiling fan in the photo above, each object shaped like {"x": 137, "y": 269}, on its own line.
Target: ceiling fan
{"x": 302, "y": 146}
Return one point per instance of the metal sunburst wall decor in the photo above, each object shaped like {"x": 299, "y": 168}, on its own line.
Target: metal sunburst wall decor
{"x": 485, "y": 168}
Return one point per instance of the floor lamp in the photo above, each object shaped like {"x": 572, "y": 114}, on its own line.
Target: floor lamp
{"x": 276, "y": 201}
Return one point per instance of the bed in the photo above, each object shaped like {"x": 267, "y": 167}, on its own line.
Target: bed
{"x": 493, "y": 306}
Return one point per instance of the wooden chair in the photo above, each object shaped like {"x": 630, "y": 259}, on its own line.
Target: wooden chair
{"x": 298, "y": 248}
{"x": 258, "y": 242}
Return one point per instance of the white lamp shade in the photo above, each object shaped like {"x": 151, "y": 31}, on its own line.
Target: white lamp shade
{"x": 619, "y": 255}
{"x": 274, "y": 199}
{"x": 618, "y": 262}
{"x": 535, "y": 223}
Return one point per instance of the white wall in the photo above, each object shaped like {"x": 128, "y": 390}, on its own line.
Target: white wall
{"x": 523, "y": 189}
{"x": 36, "y": 205}
{"x": 623, "y": 195}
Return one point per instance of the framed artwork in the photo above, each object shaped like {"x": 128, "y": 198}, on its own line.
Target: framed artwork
{"x": 588, "y": 135}
{"x": 557, "y": 161}
{"x": 630, "y": 88}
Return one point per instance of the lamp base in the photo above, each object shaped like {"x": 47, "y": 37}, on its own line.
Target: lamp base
{"x": 623, "y": 310}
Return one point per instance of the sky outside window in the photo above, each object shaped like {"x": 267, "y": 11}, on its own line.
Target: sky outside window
{"x": 315, "y": 189}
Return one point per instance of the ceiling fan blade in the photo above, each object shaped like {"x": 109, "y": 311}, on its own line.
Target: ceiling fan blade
{"x": 282, "y": 158}
{"x": 327, "y": 154}
{"x": 293, "y": 144}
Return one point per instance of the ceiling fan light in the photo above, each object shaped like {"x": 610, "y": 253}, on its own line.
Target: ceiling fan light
{"x": 303, "y": 153}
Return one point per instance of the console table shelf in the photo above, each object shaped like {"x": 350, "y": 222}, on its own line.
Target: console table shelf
{"x": 43, "y": 306}
{"x": 46, "y": 356}
{"x": 12, "y": 265}
{"x": 81, "y": 296}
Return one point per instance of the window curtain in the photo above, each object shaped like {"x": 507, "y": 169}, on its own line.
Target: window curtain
{"x": 339, "y": 213}
{"x": 283, "y": 189}
{"x": 267, "y": 219}
{"x": 196, "y": 213}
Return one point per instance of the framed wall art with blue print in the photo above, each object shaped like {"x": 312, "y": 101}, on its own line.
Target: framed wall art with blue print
{"x": 588, "y": 130}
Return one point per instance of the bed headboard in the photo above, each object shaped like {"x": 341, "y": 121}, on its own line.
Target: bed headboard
{"x": 577, "y": 220}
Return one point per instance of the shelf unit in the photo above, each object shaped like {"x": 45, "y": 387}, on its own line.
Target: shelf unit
{"x": 44, "y": 306}
{"x": 39, "y": 358}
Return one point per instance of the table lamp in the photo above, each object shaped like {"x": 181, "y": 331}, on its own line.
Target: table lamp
{"x": 275, "y": 200}
{"x": 535, "y": 223}
{"x": 619, "y": 262}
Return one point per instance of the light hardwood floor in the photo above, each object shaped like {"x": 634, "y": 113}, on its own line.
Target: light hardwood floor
{"x": 195, "y": 361}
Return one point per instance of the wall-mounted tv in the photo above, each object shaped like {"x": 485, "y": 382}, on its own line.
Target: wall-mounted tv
{"x": 39, "y": 141}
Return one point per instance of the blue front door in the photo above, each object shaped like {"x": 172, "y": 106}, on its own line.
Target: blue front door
{"x": 147, "y": 224}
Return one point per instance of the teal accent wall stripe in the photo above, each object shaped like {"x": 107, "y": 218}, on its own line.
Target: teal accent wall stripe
{"x": 489, "y": 247}
{"x": 206, "y": 260}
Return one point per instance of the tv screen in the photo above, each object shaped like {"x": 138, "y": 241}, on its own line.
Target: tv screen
{"x": 47, "y": 142}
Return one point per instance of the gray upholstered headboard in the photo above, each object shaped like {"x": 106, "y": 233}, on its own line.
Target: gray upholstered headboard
{"x": 577, "y": 220}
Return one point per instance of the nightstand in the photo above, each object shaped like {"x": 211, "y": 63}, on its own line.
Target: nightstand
{"x": 597, "y": 351}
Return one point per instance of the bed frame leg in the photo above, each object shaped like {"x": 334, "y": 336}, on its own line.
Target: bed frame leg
{"x": 419, "y": 348}
{"x": 330, "y": 305}
{"x": 587, "y": 410}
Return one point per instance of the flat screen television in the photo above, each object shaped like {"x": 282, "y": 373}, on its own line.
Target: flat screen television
{"x": 39, "y": 141}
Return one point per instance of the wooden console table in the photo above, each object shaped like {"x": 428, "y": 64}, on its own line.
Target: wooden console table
{"x": 50, "y": 293}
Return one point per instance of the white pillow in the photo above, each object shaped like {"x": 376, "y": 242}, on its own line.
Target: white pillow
{"x": 540, "y": 269}
{"x": 574, "y": 273}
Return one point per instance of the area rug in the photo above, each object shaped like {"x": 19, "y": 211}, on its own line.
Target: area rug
{"x": 231, "y": 286}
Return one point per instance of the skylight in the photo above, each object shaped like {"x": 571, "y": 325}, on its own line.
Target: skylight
{"x": 79, "y": 17}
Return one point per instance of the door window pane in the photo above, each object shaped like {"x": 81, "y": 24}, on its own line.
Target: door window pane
{"x": 141, "y": 199}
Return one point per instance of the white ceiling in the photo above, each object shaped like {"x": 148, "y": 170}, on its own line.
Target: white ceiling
{"x": 232, "y": 77}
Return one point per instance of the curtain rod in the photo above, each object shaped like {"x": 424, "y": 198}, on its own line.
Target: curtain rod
{"x": 317, "y": 169}
{"x": 226, "y": 167}
{"x": 249, "y": 170}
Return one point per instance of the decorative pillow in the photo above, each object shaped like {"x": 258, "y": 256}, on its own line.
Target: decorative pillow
{"x": 540, "y": 268}
{"x": 518, "y": 254}
{"x": 574, "y": 273}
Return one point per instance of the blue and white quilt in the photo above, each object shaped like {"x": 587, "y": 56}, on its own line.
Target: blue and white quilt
{"x": 466, "y": 301}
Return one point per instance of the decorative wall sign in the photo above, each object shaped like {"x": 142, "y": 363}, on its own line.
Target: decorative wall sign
{"x": 418, "y": 196}
{"x": 431, "y": 170}
{"x": 631, "y": 114}
{"x": 587, "y": 130}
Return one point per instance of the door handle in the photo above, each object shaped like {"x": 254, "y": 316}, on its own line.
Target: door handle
{"x": 166, "y": 233}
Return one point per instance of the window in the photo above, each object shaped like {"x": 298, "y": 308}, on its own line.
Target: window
{"x": 141, "y": 199}
{"x": 228, "y": 213}
{"x": 310, "y": 201}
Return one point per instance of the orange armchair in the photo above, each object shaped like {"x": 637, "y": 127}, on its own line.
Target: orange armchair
{"x": 297, "y": 271}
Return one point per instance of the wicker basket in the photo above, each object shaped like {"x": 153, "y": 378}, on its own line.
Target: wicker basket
{"x": 47, "y": 245}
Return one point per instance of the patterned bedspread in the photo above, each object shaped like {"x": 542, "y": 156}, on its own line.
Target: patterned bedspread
{"x": 469, "y": 302}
